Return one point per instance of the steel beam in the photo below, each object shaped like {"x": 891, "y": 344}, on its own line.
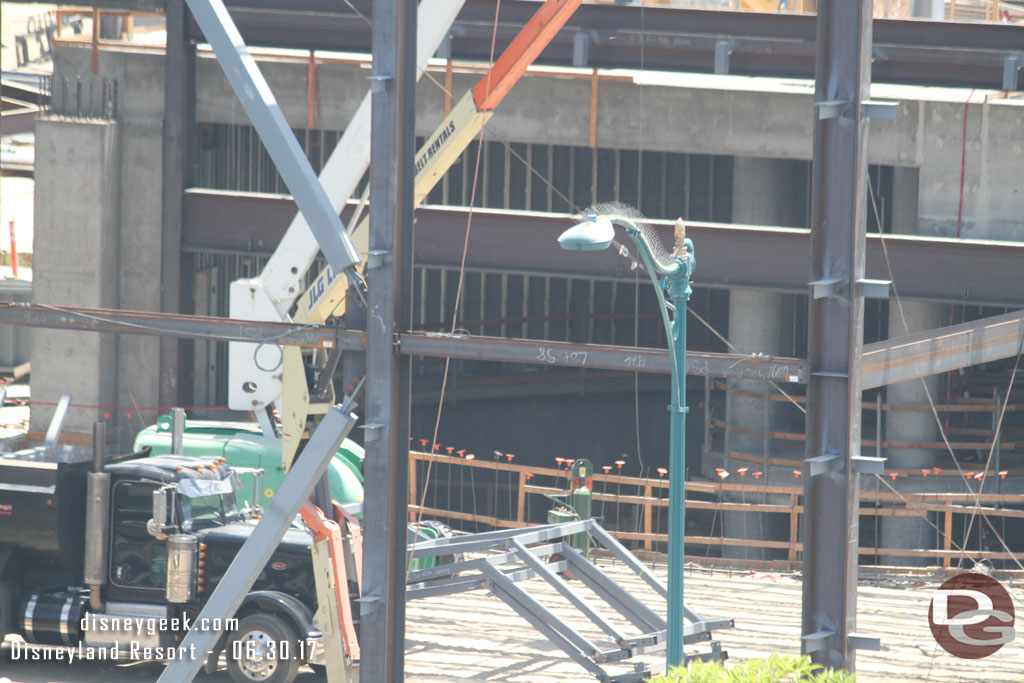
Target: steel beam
{"x": 976, "y": 272}
{"x": 599, "y": 356}
{"x": 663, "y": 38}
{"x": 392, "y": 141}
{"x": 252, "y": 557}
{"x": 835, "y": 331}
{"x": 885, "y": 362}
{"x": 942, "y": 350}
{"x": 175, "y": 133}
{"x": 466, "y": 347}
{"x": 184, "y": 326}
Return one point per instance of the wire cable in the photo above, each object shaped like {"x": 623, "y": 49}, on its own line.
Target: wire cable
{"x": 995, "y": 438}
{"x": 458, "y": 295}
{"x": 928, "y": 394}
{"x": 733, "y": 347}
{"x": 636, "y": 271}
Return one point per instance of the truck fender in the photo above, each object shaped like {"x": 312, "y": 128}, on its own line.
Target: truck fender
{"x": 289, "y": 607}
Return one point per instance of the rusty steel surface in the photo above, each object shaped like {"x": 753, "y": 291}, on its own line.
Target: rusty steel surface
{"x": 977, "y": 272}
{"x": 664, "y": 38}
{"x": 942, "y": 350}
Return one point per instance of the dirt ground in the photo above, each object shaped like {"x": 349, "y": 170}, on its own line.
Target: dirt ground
{"x": 475, "y": 637}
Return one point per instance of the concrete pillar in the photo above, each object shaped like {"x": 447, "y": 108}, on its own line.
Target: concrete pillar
{"x": 763, "y": 192}
{"x": 907, "y": 426}
{"x": 138, "y": 175}
{"x": 930, "y": 9}
{"x": 905, "y": 318}
{"x": 77, "y": 195}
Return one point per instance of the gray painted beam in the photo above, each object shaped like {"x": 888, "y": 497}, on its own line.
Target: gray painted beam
{"x": 163, "y": 324}
{"x": 467, "y": 347}
{"x": 942, "y": 350}
{"x": 836, "y": 331}
{"x": 392, "y": 115}
{"x": 275, "y": 133}
{"x": 599, "y": 356}
{"x": 976, "y": 272}
{"x": 252, "y": 557}
{"x": 886, "y": 362}
{"x": 665, "y": 38}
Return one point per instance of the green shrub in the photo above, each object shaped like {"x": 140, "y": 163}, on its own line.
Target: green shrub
{"x": 772, "y": 669}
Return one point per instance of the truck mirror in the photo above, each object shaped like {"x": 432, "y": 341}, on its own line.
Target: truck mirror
{"x": 156, "y": 525}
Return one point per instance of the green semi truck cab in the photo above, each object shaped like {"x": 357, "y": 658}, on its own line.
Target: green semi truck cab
{"x": 244, "y": 445}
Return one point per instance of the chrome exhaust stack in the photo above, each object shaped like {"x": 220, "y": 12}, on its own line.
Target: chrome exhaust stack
{"x": 97, "y": 510}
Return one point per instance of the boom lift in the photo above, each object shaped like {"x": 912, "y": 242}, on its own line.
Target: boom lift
{"x": 303, "y": 388}
{"x": 253, "y": 381}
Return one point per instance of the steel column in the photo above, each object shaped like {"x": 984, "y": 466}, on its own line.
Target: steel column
{"x": 835, "y": 330}
{"x": 387, "y": 410}
{"x": 176, "y": 96}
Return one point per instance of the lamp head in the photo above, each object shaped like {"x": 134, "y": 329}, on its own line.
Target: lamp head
{"x": 596, "y": 232}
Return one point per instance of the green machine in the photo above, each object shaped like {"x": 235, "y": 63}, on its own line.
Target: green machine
{"x": 577, "y": 502}
{"x": 245, "y": 445}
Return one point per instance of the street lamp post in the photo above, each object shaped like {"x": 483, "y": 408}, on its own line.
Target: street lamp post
{"x": 669, "y": 273}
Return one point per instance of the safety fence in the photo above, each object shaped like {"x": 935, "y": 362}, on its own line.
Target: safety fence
{"x": 973, "y": 437}
{"x": 476, "y": 494}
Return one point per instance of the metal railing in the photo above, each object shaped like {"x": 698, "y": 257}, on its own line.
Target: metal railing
{"x": 476, "y": 494}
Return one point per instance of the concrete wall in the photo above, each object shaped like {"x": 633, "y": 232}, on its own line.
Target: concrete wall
{"x": 78, "y": 185}
{"x": 993, "y": 186}
{"x": 692, "y": 113}
{"x": 140, "y": 77}
{"x": 709, "y": 115}
{"x": 98, "y": 186}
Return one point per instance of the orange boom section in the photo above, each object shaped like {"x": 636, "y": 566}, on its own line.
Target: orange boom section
{"x": 521, "y": 52}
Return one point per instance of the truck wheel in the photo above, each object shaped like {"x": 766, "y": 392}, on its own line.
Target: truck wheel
{"x": 263, "y": 649}
{"x": 442, "y": 530}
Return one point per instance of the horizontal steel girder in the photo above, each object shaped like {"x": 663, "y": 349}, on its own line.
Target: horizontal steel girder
{"x": 662, "y": 38}
{"x": 912, "y": 52}
{"x": 977, "y": 272}
{"x": 887, "y": 362}
{"x": 942, "y": 350}
{"x": 166, "y": 324}
{"x": 600, "y": 356}
{"x": 559, "y": 354}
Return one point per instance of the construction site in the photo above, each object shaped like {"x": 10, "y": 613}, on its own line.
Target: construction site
{"x": 511, "y": 340}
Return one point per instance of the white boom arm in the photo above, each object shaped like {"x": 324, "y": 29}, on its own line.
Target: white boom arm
{"x": 271, "y": 295}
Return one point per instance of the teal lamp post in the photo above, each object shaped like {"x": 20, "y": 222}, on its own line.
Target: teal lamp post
{"x": 670, "y": 274}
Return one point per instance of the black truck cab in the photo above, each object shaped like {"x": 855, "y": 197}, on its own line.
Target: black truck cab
{"x": 143, "y": 543}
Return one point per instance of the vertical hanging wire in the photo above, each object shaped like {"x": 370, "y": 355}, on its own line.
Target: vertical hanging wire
{"x": 458, "y": 293}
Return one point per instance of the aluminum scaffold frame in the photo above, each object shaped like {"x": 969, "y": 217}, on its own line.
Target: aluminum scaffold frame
{"x": 509, "y": 556}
